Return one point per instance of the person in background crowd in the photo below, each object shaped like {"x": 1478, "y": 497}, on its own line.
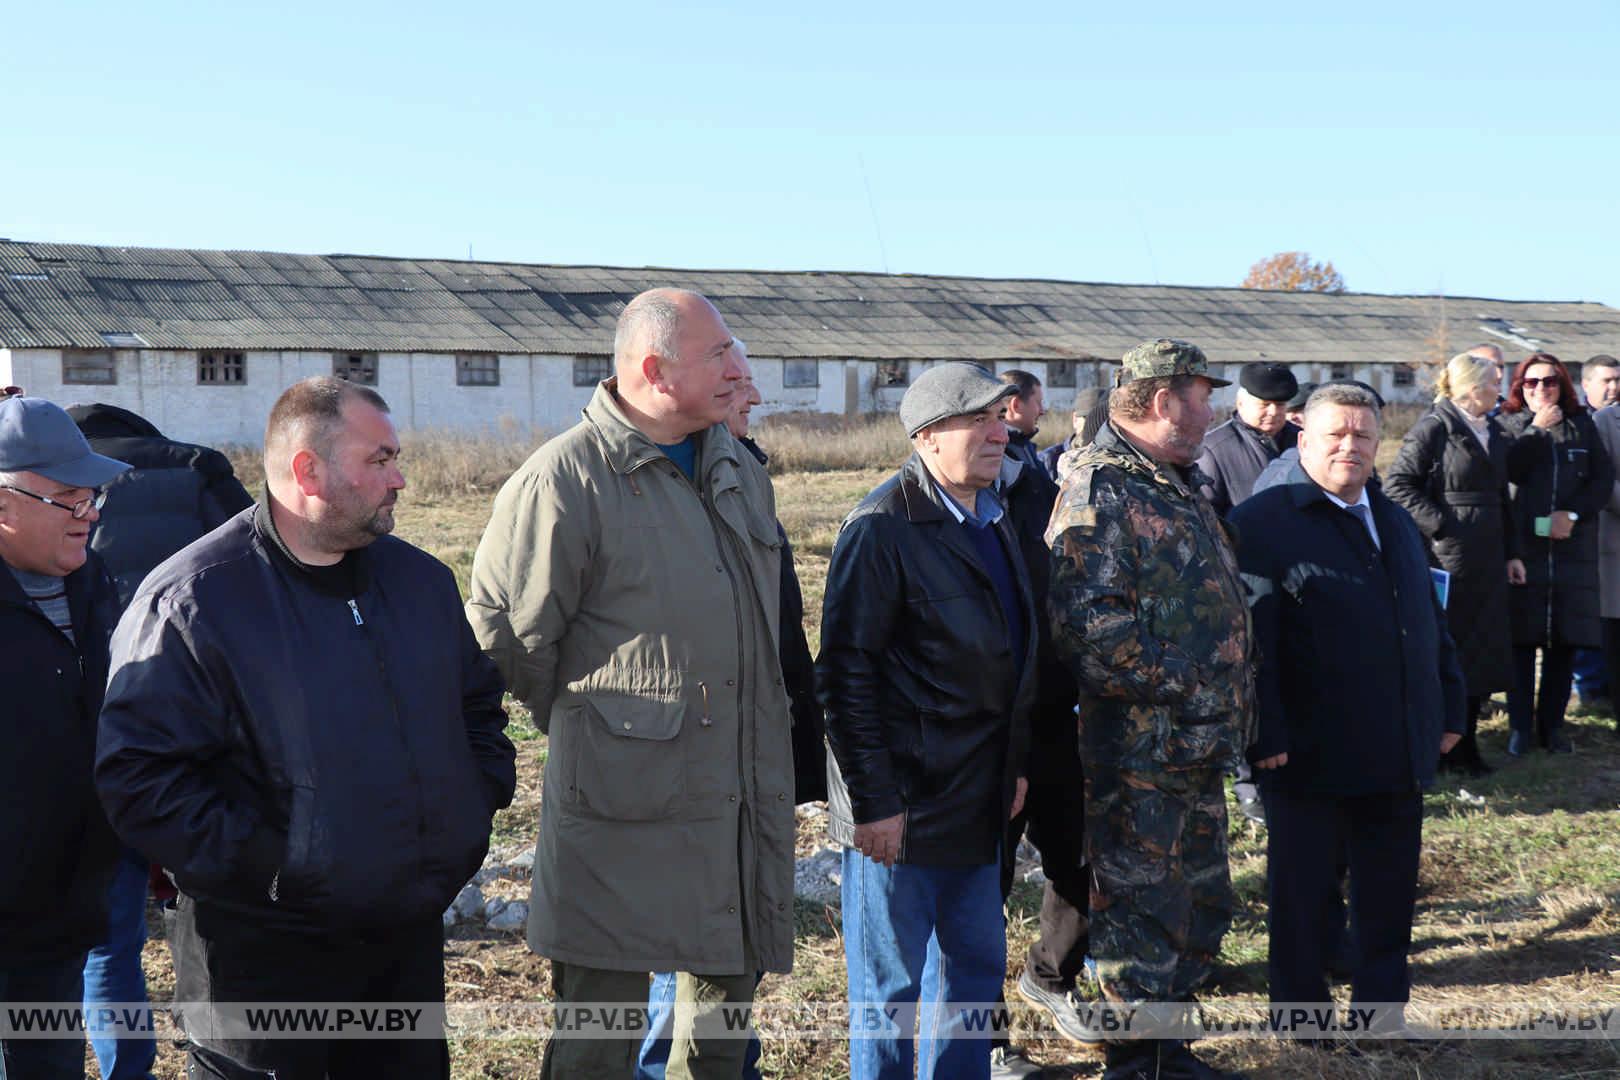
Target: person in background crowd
{"x": 1338, "y": 580}
{"x": 629, "y": 585}
{"x": 1024, "y": 412}
{"x": 809, "y": 745}
{"x": 1090, "y": 414}
{"x": 300, "y": 727}
{"x": 1236, "y": 451}
{"x": 1054, "y": 808}
{"x": 1296, "y": 405}
{"x": 57, "y": 609}
{"x": 1148, "y": 613}
{"x": 926, "y": 674}
{"x": 1562, "y": 479}
{"x": 1493, "y": 354}
{"x": 1607, "y": 422}
{"x": 172, "y": 494}
{"x": 1600, "y": 385}
{"x": 1451, "y": 476}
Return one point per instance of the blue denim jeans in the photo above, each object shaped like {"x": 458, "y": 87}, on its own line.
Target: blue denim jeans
{"x": 1591, "y": 674}
{"x": 53, "y": 982}
{"x": 113, "y": 975}
{"x": 654, "y": 1053}
{"x": 928, "y": 935}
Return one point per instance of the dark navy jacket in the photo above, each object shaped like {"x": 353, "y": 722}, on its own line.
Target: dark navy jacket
{"x": 301, "y": 751}
{"x": 59, "y": 849}
{"x": 1358, "y": 676}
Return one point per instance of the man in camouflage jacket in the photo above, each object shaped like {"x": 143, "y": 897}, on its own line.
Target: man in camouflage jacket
{"x": 1148, "y": 611}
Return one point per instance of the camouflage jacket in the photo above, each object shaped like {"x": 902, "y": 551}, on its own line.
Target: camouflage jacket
{"x": 1149, "y": 612}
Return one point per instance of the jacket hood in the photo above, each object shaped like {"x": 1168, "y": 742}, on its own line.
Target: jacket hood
{"x": 103, "y": 421}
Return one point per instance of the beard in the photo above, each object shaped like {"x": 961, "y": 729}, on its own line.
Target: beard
{"x": 1186, "y": 440}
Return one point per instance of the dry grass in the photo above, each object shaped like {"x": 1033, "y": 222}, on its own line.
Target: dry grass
{"x": 1519, "y": 897}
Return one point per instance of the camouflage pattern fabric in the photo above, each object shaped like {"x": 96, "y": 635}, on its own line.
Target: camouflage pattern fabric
{"x": 1148, "y": 610}
{"x": 1161, "y": 896}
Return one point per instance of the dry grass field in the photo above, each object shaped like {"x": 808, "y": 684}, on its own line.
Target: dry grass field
{"x": 1519, "y": 893}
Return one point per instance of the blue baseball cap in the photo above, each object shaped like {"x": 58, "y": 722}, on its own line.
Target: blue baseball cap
{"x": 39, "y": 437}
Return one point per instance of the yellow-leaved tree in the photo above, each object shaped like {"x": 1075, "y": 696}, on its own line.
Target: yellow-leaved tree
{"x": 1293, "y": 271}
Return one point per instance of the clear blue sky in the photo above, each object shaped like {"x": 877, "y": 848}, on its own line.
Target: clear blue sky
{"x": 1472, "y": 149}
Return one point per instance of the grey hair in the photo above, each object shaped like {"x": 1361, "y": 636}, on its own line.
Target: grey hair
{"x": 650, "y": 322}
{"x": 1345, "y": 394}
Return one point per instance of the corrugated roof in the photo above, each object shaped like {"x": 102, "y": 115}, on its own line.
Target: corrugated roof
{"x": 71, "y": 295}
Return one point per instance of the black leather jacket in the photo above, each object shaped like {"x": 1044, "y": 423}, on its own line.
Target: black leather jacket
{"x": 927, "y": 711}
{"x": 302, "y": 748}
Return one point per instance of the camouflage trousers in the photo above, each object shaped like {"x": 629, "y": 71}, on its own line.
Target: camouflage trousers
{"x": 1161, "y": 893}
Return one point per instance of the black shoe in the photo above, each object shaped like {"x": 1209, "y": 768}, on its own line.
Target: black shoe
{"x": 1478, "y": 766}
{"x": 1071, "y": 1022}
{"x": 1558, "y": 743}
{"x": 1183, "y": 1065}
{"x": 1160, "y": 1061}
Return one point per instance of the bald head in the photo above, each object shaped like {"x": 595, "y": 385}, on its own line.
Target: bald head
{"x": 677, "y": 365}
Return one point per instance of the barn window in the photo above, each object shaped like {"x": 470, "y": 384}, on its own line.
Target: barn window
{"x": 89, "y": 366}
{"x": 1404, "y": 375}
{"x": 221, "y": 369}
{"x": 894, "y": 373}
{"x": 1340, "y": 372}
{"x": 590, "y": 370}
{"x": 801, "y": 373}
{"x": 1060, "y": 372}
{"x": 357, "y": 367}
{"x": 478, "y": 369}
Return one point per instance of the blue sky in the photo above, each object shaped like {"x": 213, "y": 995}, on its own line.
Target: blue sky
{"x": 1471, "y": 149}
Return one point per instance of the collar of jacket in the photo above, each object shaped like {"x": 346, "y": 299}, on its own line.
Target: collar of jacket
{"x": 922, "y": 498}
{"x": 322, "y": 578}
{"x": 1305, "y": 491}
{"x": 74, "y": 584}
{"x": 1126, "y": 455}
{"x": 628, "y": 448}
{"x": 747, "y": 443}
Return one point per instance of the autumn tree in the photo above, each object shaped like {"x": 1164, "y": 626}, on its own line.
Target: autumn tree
{"x": 1293, "y": 271}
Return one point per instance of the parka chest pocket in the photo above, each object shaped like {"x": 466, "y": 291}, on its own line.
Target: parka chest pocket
{"x": 621, "y": 757}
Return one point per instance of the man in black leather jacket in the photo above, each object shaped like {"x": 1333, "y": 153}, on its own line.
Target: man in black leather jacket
{"x": 302, "y": 728}
{"x": 925, "y": 674}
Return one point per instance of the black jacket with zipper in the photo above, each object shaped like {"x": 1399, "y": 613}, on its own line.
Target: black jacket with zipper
{"x": 60, "y": 852}
{"x": 927, "y": 709}
{"x": 311, "y": 748}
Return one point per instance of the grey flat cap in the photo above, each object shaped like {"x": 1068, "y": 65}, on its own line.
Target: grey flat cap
{"x": 39, "y": 437}
{"x": 951, "y": 389}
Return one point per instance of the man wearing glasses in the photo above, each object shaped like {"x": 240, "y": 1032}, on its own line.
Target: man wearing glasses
{"x": 57, "y": 610}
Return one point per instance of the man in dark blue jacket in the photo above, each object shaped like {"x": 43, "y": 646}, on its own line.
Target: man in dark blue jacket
{"x": 1359, "y": 693}
{"x": 301, "y": 727}
{"x": 57, "y": 609}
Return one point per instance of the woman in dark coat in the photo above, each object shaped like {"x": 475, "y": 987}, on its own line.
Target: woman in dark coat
{"x": 1561, "y": 478}
{"x": 1451, "y": 476}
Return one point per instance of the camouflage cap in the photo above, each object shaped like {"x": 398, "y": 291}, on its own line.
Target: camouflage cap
{"x": 1163, "y": 358}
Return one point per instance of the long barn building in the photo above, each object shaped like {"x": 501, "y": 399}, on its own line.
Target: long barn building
{"x": 202, "y": 342}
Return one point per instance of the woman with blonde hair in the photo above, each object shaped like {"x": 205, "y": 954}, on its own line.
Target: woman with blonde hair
{"x": 1451, "y": 476}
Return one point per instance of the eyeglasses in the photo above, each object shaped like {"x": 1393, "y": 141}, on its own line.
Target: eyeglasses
{"x": 80, "y": 510}
{"x": 1548, "y": 381}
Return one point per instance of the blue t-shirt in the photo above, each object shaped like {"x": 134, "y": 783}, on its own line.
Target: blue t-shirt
{"x": 684, "y": 455}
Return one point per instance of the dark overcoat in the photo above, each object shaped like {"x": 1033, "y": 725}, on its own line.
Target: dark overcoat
{"x": 1457, "y": 492}
{"x": 1563, "y": 468}
{"x": 1358, "y": 675}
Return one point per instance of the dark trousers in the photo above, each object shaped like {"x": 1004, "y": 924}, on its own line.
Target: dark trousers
{"x": 1611, "y": 655}
{"x": 50, "y": 981}
{"x": 1055, "y": 815}
{"x": 242, "y": 964}
{"x": 1304, "y": 837}
{"x": 1543, "y": 712}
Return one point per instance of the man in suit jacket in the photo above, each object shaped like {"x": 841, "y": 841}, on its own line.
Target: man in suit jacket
{"x": 1359, "y": 692}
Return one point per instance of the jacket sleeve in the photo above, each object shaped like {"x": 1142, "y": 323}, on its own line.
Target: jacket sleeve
{"x": 1594, "y": 494}
{"x": 1265, "y": 612}
{"x": 483, "y": 716}
{"x": 1093, "y": 602}
{"x": 529, "y": 576}
{"x": 162, "y": 768}
{"x": 859, "y": 615}
{"x": 1408, "y": 480}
